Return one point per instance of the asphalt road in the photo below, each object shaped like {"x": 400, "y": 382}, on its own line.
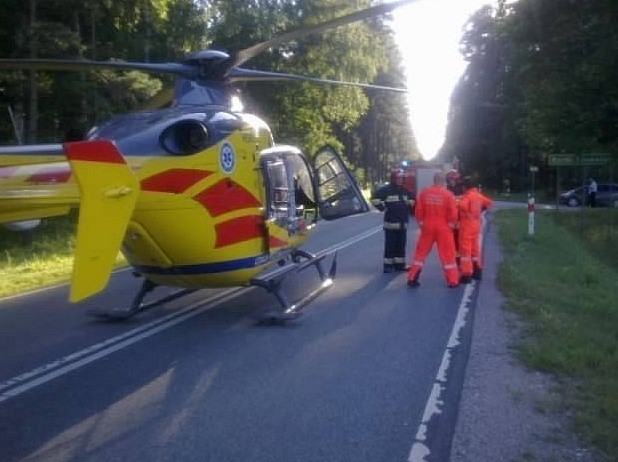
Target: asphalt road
{"x": 371, "y": 372}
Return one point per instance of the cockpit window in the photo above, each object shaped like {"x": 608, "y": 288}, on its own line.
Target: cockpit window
{"x": 303, "y": 184}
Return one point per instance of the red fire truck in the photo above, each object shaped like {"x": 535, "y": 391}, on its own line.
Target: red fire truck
{"x": 419, "y": 174}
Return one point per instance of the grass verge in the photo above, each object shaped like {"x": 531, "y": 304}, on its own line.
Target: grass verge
{"x": 563, "y": 283}
{"x": 48, "y": 260}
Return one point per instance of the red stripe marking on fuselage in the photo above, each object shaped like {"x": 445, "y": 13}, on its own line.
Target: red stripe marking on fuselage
{"x": 239, "y": 229}
{"x": 94, "y": 151}
{"x": 226, "y": 196}
{"x": 175, "y": 180}
{"x": 274, "y": 242}
{"x": 50, "y": 176}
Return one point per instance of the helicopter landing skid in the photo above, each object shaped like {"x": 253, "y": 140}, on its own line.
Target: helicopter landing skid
{"x": 273, "y": 284}
{"x": 138, "y": 305}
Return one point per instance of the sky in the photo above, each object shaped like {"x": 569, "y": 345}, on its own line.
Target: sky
{"x": 428, "y": 33}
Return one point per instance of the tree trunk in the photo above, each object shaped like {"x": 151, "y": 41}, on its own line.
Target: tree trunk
{"x": 34, "y": 93}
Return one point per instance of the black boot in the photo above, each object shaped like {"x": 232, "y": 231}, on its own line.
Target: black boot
{"x": 388, "y": 269}
{"x": 414, "y": 282}
{"x": 478, "y": 274}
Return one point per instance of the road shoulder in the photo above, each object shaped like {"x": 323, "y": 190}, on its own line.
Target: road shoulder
{"x": 507, "y": 412}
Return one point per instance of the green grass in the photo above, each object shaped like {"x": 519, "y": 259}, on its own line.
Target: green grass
{"x": 563, "y": 283}
{"x": 47, "y": 261}
{"x": 511, "y": 197}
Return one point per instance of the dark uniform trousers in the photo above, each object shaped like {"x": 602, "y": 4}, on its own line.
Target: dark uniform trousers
{"x": 395, "y": 238}
{"x": 395, "y": 202}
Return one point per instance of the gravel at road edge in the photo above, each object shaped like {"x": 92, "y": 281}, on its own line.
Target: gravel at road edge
{"x": 507, "y": 412}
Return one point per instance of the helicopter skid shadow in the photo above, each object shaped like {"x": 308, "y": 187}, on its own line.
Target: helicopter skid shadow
{"x": 278, "y": 319}
{"x": 138, "y": 306}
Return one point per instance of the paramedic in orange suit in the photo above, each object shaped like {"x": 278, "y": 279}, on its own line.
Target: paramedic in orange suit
{"x": 436, "y": 213}
{"x": 471, "y": 206}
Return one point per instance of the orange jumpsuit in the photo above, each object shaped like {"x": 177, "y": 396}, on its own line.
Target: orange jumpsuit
{"x": 471, "y": 207}
{"x": 436, "y": 213}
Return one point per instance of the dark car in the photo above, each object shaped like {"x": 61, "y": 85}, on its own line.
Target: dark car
{"x": 607, "y": 196}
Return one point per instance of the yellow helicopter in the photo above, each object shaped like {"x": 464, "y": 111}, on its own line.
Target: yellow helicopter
{"x": 196, "y": 194}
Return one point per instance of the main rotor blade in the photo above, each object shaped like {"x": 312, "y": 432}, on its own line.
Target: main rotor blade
{"x": 239, "y": 74}
{"x": 85, "y": 64}
{"x": 246, "y": 54}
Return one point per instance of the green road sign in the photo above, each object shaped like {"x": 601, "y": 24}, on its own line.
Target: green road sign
{"x": 559, "y": 160}
{"x": 587, "y": 159}
{"x": 591, "y": 159}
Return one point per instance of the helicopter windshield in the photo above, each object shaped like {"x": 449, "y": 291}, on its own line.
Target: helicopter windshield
{"x": 194, "y": 93}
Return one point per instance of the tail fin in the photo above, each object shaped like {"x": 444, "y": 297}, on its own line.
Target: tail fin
{"x": 109, "y": 191}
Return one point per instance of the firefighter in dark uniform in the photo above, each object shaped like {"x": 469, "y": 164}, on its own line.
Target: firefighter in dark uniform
{"x": 396, "y": 203}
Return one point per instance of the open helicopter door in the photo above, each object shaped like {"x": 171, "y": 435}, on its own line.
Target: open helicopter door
{"x": 338, "y": 193}
{"x": 290, "y": 196}
{"x": 291, "y": 211}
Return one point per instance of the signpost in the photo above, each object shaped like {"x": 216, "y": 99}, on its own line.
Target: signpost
{"x": 562, "y": 160}
{"x": 531, "y": 209}
{"x": 595, "y": 159}
{"x": 579, "y": 160}
{"x": 533, "y": 170}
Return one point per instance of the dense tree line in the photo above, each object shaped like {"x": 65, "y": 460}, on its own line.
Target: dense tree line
{"x": 52, "y": 106}
{"x": 541, "y": 79}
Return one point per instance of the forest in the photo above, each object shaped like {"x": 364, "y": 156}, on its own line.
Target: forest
{"x": 370, "y": 127}
{"x": 541, "y": 78}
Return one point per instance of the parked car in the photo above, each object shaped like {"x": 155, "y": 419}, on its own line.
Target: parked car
{"x": 607, "y": 196}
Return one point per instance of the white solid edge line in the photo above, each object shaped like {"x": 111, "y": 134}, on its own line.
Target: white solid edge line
{"x": 433, "y": 406}
{"x": 32, "y": 379}
{"x": 419, "y": 449}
